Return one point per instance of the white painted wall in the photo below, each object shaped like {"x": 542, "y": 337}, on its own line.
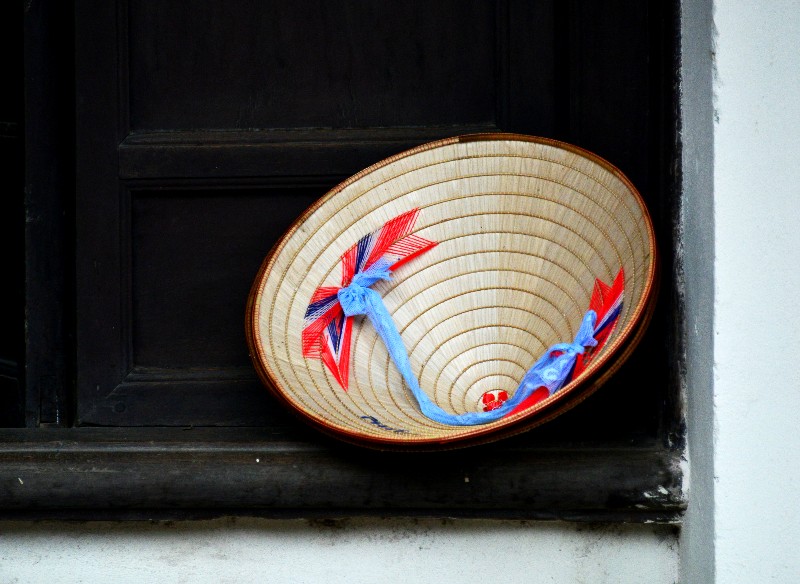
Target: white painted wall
{"x": 757, "y": 307}
{"x": 355, "y": 552}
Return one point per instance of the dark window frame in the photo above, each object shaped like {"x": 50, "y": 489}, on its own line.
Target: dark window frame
{"x": 56, "y": 470}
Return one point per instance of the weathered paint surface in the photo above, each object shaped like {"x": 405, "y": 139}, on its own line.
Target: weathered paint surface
{"x": 696, "y": 281}
{"x": 351, "y": 551}
{"x": 757, "y": 277}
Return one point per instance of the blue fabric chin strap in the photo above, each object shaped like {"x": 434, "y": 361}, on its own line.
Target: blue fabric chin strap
{"x": 550, "y": 372}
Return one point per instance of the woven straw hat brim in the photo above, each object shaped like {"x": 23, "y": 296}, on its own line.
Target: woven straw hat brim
{"x": 524, "y": 225}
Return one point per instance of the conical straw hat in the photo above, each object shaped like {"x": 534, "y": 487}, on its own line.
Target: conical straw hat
{"x": 524, "y": 226}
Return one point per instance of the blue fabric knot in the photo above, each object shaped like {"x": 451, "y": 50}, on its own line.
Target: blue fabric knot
{"x": 552, "y": 371}
{"x": 355, "y": 297}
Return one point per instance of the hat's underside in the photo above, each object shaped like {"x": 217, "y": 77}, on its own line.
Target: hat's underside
{"x": 524, "y": 227}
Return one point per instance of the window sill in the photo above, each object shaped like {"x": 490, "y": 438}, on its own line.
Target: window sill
{"x": 107, "y": 473}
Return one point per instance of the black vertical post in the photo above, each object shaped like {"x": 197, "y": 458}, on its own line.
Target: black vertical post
{"x": 48, "y": 61}
{"x": 11, "y": 214}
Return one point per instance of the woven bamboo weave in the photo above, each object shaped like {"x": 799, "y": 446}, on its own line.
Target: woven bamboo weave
{"x": 524, "y": 227}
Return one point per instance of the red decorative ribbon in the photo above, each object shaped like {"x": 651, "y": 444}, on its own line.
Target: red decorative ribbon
{"x": 327, "y": 331}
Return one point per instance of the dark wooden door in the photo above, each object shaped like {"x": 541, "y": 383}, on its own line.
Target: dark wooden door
{"x": 204, "y": 128}
{"x": 166, "y": 146}
{"x": 11, "y": 213}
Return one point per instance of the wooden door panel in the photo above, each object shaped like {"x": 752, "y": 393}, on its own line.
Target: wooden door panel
{"x": 611, "y": 81}
{"x": 194, "y": 256}
{"x": 311, "y": 63}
